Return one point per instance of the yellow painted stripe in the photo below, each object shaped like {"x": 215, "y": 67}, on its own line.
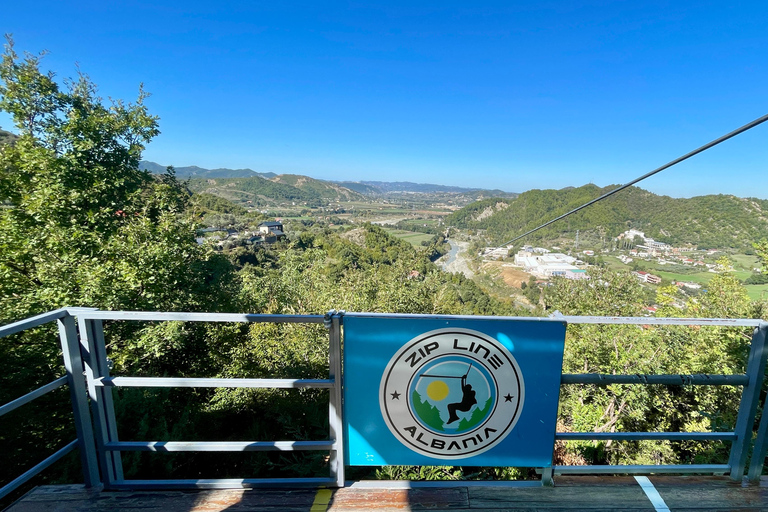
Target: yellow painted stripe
{"x": 322, "y": 499}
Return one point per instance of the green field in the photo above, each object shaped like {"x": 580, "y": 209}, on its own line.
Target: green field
{"x": 757, "y": 291}
{"x": 411, "y": 237}
{"x": 698, "y": 277}
{"x": 744, "y": 262}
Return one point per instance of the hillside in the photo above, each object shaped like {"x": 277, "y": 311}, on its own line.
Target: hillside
{"x": 281, "y": 189}
{"x": 195, "y": 172}
{"x": 706, "y": 221}
{"x": 7, "y": 137}
{"x": 257, "y": 190}
{"x": 326, "y": 190}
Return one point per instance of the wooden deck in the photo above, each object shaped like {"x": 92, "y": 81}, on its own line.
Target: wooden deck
{"x": 658, "y": 493}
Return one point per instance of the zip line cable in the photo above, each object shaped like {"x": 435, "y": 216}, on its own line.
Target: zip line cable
{"x": 676, "y": 161}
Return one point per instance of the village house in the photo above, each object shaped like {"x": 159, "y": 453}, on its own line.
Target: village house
{"x": 271, "y": 230}
{"x": 647, "y": 277}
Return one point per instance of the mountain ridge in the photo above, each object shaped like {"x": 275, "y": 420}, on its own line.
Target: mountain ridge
{"x": 364, "y": 187}
{"x": 710, "y": 221}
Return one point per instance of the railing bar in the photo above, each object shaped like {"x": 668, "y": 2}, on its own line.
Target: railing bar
{"x": 223, "y": 483}
{"x": 93, "y": 349}
{"x": 640, "y": 469}
{"x": 218, "y": 446}
{"x": 22, "y": 400}
{"x": 639, "y": 320}
{"x": 761, "y": 446}
{"x": 150, "y": 316}
{"x": 78, "y": 395}
{"x": 31, "y": 473}
{"x": 750, "y": 395}
{"x": 336, "y": 459}
{"x": 668, "y": 379}
{"x": 29, "y": 323}
{"x": 194, "y": 382}
{"x": 427, "y": 316}
{"x": 632, "y": 436}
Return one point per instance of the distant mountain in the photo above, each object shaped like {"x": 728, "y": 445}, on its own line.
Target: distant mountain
{"x": 366, "y": 188}
{"x": 7, "y": 137}
{"x": 198, "y": 172}
{"x": 389, "y": 187}
{"x": 713, "y": 221}
{"x": 285, "y": 188}
{"x": 361, "y": 188}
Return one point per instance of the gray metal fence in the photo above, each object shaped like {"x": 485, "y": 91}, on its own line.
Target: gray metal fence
{"x": 81, "y": 335}
{"x": 77, "y": 385}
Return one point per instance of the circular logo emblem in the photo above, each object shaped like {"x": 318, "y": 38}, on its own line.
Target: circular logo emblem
{"x": 451, "y": 393}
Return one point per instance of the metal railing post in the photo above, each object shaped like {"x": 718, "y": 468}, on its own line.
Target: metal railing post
{"x": 73, "y": 363}
{"x": 749, "y": 400}
{"x": 546, "y": 476}
{"x": 336, "y": 461}
{"x": 105, "y": 426}
{"x": 761, "y": 444}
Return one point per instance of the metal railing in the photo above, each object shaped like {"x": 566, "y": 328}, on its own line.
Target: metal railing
{"x": 109, "y": 447}
{"x": 74, "y": 378}
{"x": 740, "y": 437}
{"x": 83, "y": 346}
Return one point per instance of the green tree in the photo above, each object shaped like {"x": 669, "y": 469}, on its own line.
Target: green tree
{"x": 761, "y": 249}
{"x": 83, "y": 226}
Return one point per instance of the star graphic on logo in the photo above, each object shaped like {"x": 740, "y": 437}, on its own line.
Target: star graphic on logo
{"x": 395, "y": 395}
{"x": 508, "y": 398}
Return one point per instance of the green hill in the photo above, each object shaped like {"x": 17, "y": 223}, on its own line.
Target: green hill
{"x": 257, "y": 190}
{"x": 7, "y": 137}
{"x": 324, "y": 189}
{"x": 286, "y": 188}
{"x": 196, "y": 172}
{"x": 707, "y": 221}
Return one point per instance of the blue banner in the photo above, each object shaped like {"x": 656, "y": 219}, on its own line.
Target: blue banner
{"x": 451, "y": 391}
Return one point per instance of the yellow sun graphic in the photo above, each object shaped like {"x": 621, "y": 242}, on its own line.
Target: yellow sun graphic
{"x": 437, "y": 390}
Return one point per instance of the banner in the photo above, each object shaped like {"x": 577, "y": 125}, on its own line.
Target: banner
{"x": 431, "y": 391}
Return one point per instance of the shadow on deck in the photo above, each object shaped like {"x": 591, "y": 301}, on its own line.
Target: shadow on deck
{"x": 594, "y": 493}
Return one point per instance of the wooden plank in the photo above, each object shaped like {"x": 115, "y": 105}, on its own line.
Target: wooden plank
{"x": 697, "y": 493}
{"x": 594, "y": 493}
{"x": 401, "y": 499}
{"x": 76, "y": 498}
{"x": 627, "y": 497}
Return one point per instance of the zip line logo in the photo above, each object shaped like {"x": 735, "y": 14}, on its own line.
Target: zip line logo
{"x": 451, "y": 393}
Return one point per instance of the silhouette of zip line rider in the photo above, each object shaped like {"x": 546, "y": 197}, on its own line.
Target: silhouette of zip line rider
{"x": 468, "y": 397}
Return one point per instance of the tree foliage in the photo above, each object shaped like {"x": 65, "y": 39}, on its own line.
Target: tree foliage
{"x": 82, "y": 225}
{"x": 637, "y": 349}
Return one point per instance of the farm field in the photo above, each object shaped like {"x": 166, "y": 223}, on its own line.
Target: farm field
{"x": 411, "y": 237}
{"x": 698, "y": 277}
{"x": 757, "y": 291}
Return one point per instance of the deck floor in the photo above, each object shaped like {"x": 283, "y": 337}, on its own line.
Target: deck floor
{"x": 569, "y": 494}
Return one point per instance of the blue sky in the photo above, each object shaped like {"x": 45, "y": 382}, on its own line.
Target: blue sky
{"x": 508, "y": 95}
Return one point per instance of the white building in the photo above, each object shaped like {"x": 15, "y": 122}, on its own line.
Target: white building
{"x": 549, "y": 265}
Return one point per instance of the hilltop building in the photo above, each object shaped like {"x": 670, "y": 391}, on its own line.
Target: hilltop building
{"x": 648, "y": 243}
{"x": 549, "y": 264}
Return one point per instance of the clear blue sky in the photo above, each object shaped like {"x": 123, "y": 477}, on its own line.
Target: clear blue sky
{"x": 511, "y": 95}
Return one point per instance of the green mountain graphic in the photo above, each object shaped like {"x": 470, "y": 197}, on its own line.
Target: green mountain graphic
{"x": 427, "y": 412}
{"x": 478, "y": 415}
